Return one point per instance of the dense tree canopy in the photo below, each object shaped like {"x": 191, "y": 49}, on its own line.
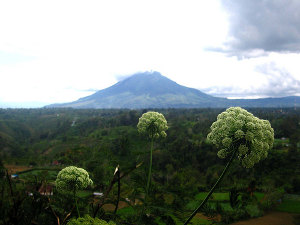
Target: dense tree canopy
{"x": 185, "y": 162}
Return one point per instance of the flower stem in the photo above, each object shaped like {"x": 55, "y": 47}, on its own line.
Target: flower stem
{"x": 75, "y": 199}
{"x": 150, "y": 169}
{"x": 213, "y": 188}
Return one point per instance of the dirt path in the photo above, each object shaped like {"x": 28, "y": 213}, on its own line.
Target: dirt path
{"x": 272, "y": 218}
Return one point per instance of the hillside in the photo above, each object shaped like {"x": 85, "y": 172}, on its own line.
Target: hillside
{"x": 145, "y": 90}
{"x": 152, "y": 90}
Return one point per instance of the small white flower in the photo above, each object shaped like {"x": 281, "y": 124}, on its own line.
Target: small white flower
{"x": 222, "y": 154}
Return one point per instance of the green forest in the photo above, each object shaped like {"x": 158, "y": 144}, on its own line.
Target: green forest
{"x": 36, "y": 144}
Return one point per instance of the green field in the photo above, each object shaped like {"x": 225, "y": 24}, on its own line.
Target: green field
{"x": 290, "y": 204}
{"x": 222, "y": 196}
{"x": 49, "y": 174}
{"x": 84, "y": 193}
{"x": 200, "y": 221}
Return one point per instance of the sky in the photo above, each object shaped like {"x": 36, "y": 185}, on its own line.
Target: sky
{"x": 59, "y": 51}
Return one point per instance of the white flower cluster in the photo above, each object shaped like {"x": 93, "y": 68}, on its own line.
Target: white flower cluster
{"x": 71, "y": 179}
{"x": 237, "y": 128}
{"x": 87, "y": 220}
{"x": 153, "y": 123}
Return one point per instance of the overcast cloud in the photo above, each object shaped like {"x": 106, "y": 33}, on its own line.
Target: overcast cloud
{"x": 279, "y": 83}
{"x": 274, "y": 82}
{"x": 268, "y": 25}
{"x": 269, "y": 31}
{"x": 60, "y": 51}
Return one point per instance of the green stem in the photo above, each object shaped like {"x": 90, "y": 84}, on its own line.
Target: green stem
{"x": 119, "y": 191}
{"x": 213, "y": 188}
{"x": 75, "y": 199}
{"x": 148, "y": 181}
{"x": 150, "y": 169}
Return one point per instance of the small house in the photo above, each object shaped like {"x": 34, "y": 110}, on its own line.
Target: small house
{"x": 98, "y": 194}
{"x": 46, "y": 189}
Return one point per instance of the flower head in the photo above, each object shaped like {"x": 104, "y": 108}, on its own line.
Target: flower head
{"x": 154, "y": 124}
{"x": 71, "y": 179}
{"x": 87, "y": 220}
{"x": 238, "y": 128}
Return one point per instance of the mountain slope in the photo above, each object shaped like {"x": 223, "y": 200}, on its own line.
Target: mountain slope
{"x": 145, "y": 90}
{"x": 152, "y": 90}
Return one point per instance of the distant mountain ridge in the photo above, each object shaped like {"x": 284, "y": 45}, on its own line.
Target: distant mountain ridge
{"x": 152, "y": 90}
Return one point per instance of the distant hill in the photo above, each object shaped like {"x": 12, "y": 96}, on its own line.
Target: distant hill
{"x": 152, "y": 90}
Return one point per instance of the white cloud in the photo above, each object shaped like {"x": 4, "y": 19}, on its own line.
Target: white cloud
{"x": 79, "y": 45}
{"x": 272, "y": 75}
{"x": 74, "y": 46}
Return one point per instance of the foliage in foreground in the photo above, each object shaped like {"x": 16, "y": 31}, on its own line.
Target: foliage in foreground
{"x": 184, "y": 164}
